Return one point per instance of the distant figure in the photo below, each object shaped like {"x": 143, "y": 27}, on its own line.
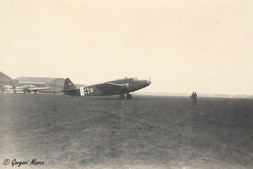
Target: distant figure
{"x": 194, "y": 98}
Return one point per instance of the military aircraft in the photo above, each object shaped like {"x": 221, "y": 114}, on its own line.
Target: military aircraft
{"x": 8, "y": 88}
{"x": 116, "y": 87}
{"x": 32, "y": 88}
{"x": 13, "y": 88}
{"x": 37, "y": 87}
{"x": 25, "y": 88}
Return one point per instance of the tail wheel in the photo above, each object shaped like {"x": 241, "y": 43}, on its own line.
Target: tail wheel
{"x": 121, "y": 96}
{"x": 129, "y": 96}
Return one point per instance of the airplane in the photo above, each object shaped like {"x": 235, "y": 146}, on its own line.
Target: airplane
{"x": 56, "y": 86}
{"x": 28, "y": 87}
{"x": 116, "y": 87}
{"x": 11, "y": 88}
{"x": 8, "y": 88}
{"x": 25, "y": 89}
{"x": 32, "y": 88}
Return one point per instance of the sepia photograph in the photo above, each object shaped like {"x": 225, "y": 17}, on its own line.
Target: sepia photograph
{"x": 126, "y": 84}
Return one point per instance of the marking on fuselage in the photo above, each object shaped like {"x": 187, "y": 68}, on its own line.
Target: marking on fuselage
{"x": 86, "y": 91}
{"x": 81, "y": 91}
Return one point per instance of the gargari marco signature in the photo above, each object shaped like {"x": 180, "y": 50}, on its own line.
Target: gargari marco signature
{"x": 18, "y": 163}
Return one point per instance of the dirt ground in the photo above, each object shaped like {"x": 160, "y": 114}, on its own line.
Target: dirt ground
{"x": 145, "y": 132}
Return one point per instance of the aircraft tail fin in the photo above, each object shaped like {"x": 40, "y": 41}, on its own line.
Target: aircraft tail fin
{"x": 68, "y": 84}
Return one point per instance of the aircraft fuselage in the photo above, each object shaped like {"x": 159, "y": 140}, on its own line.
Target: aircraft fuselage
{"x": 115, "y": 87}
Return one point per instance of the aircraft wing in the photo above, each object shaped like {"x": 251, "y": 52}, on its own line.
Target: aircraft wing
{"x": 125, "y": 85}
{"x": 110, "y": 88}
{"x": 37, "y": 88}
{"x": 42, "y": 88}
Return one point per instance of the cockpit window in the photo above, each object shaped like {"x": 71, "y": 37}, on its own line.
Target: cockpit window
{"x": 134, "y": 79}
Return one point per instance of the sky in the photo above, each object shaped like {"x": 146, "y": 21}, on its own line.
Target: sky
{"x": 202, "y": 45}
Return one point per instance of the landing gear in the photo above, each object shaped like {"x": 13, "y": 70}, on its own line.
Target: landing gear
{"x": 129, "y": 96}
{"x": 121, "y": 96}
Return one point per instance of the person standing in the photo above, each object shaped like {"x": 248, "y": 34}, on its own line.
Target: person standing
{"x": 195, "y": 98}
{"x": 192, "y": 97}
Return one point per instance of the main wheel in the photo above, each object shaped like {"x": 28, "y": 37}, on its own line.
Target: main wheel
{"x": 129, "y": 96}
{"x": 121, "y": 96}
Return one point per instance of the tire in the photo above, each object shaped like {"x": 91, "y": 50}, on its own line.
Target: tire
{"x": 129, "y": 96}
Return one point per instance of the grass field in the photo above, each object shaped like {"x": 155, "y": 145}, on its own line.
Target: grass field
{"x": 145, "y": 132}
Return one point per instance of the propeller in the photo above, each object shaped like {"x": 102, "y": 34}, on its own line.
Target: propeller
{"x": 149, "y": 79}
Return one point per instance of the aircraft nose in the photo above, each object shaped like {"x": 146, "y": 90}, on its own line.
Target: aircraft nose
{"x": 147, "y": 82}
